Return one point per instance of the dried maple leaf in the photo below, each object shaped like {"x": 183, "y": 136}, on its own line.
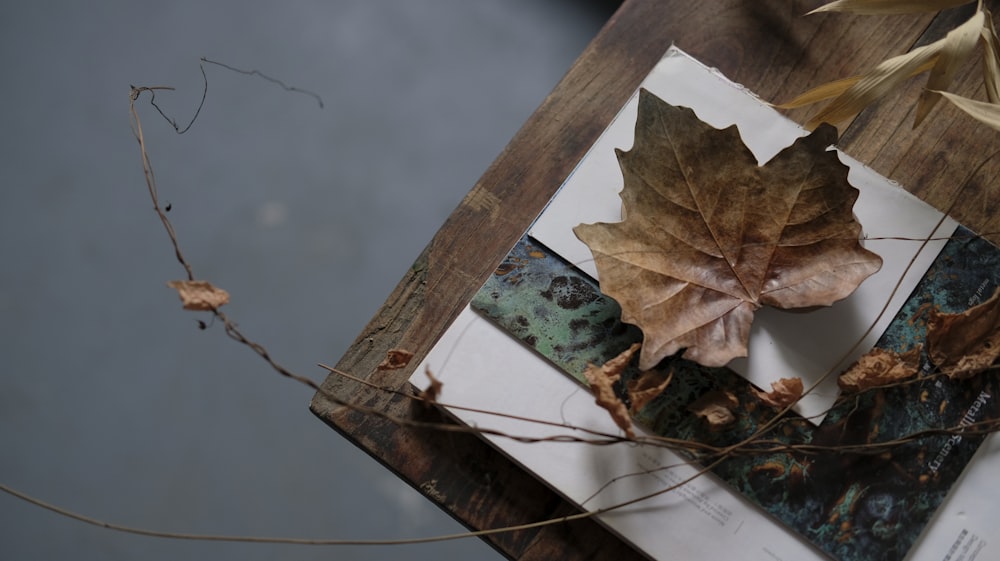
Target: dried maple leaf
{"x": 646, "y": 387}
{"x": 716, "y": 407}
{"x": 784, "y": 392}
{"x": 963, "y": 345}
{"x": 709, "y": 236}
{"x": 395, "y": 359}
{"x": 879, "y": 367}
{"x": 602, "y": 380}
{"x": 199, "y": 295}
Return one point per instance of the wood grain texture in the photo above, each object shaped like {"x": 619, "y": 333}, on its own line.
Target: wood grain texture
{"x": 764, "y": 44}
{"x": 950, "y": 160}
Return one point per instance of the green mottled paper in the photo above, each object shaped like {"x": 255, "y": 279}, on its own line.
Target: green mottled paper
{"x": 854, "y": 507}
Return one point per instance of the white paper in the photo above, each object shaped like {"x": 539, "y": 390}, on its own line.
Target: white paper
{"x": 782, "y": 344}
{"x": 483, "y": 367}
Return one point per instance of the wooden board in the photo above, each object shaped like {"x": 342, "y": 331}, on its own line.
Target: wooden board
{"x": 768, "y": 46}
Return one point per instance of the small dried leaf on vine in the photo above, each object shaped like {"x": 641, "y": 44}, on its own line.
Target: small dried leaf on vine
{"x": 395, "y": 359}
{"x": 880, "y": 367}
{"x": 716, "y": 407}
{"x": 963, "y": 345}
{"x": 710, "y": 236}
{"x": 888, "y": 7}
{"x": 433, "y": 391}
{"x": 602, "y": 380}
{"x": 784, "y": 392}
{"x": 956, "y": 47}
{"x": 986, "y": 113}
{"x": 199, "y": 295}
{"x": 647, "y": 387}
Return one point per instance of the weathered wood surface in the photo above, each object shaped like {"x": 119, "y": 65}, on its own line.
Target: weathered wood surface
{"x": 764, "y": 44}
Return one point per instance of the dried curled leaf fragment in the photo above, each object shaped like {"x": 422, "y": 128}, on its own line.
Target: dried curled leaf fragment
{"x": 784, "y": 392}
{"x": 716, "y": 407}
{"x": 963, "y": 345}
{"x": 880, "y": 367}
{"x": 709, "y": 236}
{"x": 602, "y": 380}
{"x": 646, "y": 387}
{"x": 199, "y": 295}
{"x": 430, "y": 395}
{"x": 395, "y": 359}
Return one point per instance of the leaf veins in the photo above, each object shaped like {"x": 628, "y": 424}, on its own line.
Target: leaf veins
{"x": 709, "y": 236}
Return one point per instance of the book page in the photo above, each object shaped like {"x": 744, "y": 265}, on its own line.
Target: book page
{"x": 672, "y": 510}
{"x": 482, "y": 367}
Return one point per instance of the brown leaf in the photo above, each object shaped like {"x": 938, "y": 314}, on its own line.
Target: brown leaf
{"x": 709, "y": 236}
{"x": 430, "y": 395}
{"x": 395, "y": 359}
{"x": 784, "y": 392}
{"x": 646, "y": 387}
{"x": 716, "y": 407}
{"x": 198, "y": 295}
{"x": 879, "y": 367}
{"x": 963, "y": 345}
{"x": 602, "y": 380}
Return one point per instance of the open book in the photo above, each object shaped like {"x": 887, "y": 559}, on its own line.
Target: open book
{"x": 541, "y": 318}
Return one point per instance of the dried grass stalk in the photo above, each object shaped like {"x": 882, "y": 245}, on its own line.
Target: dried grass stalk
{"x": 986, "y": 113}
{"x": 956, "y": 47}
{"x": 888, "y": 7}
{"x": 943, "y": 59}
{"x": 822, "y": 92}
{"x": 877, "y": 82}
{"x": 991, "y": 58}
{"x": 833, "y": 89}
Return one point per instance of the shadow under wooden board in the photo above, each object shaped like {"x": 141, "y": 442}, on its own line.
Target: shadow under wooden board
{"x": 769, "y": 47}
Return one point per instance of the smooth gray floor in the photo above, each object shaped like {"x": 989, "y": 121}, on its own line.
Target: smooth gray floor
{"x": 112, "y": 402}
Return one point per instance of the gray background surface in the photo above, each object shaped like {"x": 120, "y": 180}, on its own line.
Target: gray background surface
{"x": 112, "y": 402}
